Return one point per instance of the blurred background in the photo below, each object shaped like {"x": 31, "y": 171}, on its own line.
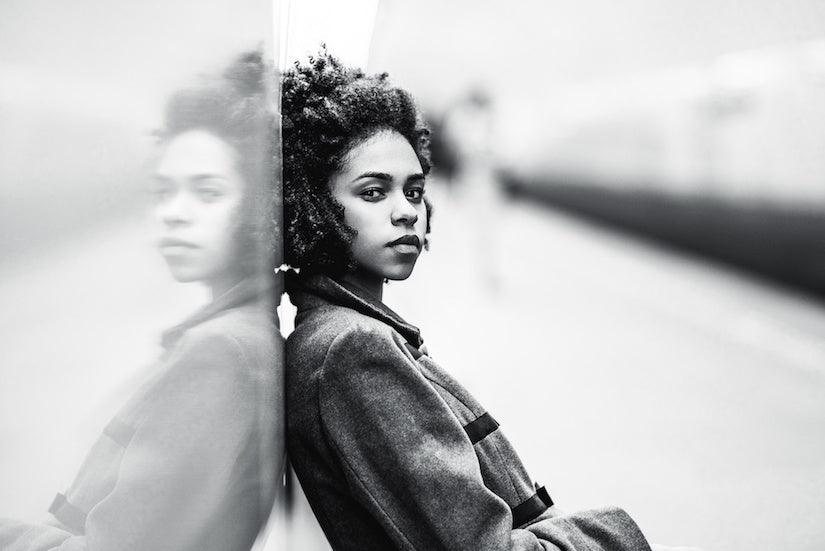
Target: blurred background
{"x": 628, "y": 249}
{"x": 627, "y": 262}
{"x": 84, "y": 295}
{"x": 628, "y": 259}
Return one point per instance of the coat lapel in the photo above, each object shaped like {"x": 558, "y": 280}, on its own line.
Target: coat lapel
{"x": 308, "y": 292}
{"x": 247, "y": 290}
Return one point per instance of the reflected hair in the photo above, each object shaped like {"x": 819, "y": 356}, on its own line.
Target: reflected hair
{"x": 235, "y": 105}
{"x": 327, "y": 109}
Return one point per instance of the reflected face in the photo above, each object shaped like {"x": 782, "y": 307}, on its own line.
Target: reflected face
{"x": 198, "y": 192}
{"x": 382, "y": 190}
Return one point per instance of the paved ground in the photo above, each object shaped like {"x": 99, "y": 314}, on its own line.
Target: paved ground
{"x": 626, "y": 374}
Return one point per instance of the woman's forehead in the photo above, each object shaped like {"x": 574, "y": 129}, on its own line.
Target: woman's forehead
{"x": 198, "y": 151}
{"x": 385, "y": 151}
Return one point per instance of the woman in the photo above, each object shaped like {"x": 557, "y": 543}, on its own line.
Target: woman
{"x": 391, "y": 451}
{"x": 193, "y": 459}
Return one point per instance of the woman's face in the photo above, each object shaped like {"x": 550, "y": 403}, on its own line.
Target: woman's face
{"x": 198, "y": 192}
{"x": 382, "y": 190}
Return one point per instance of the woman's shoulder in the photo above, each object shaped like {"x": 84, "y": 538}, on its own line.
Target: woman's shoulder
{"x": 242, "y": 339}
{"x": 246, "y": 326}
{"x": 320, "y": 327}
{"x": 335, "y": 341}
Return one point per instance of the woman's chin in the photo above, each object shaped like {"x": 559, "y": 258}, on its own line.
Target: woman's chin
{"x": 184, "y": 274}
{"x": 394, "y": 271}
{"x": 400, "y": 274}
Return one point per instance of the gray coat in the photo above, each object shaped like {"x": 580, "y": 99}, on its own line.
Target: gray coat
{"x": 393, "y": 453}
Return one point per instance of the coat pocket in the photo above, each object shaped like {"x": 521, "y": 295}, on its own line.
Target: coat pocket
{"x": 501, "y": 468}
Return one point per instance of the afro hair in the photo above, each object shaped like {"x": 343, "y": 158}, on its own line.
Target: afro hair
{"x": 236, "y": 105}
{"x": 327, "y": 109}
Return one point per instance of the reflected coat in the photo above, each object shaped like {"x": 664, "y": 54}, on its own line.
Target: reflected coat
{"x": 193, "y": 459}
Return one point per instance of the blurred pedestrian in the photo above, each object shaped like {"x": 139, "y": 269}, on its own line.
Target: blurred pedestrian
{"x": 468, "y": 128}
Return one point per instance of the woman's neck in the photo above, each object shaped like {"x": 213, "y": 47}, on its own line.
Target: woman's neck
{"x": 220, "y": 286}
{"x": 369, "y": 282}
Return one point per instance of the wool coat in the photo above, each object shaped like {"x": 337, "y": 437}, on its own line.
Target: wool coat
{"x": 193, "y": 460}
{"x": 393, "y": 453}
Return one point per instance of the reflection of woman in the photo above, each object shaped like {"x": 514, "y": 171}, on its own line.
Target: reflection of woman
{"x": 391, "y": 451}
{"x": 193, "y": 458}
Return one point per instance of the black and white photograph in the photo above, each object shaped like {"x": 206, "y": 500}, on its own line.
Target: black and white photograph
{"x": 373, "y": 275}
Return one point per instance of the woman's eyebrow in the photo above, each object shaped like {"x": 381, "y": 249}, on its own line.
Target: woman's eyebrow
{"x": 207, "y": 176}
{"x": 165, "y": 178}
{"x": 377, "y": 175}
{"x": 388, "y": 178}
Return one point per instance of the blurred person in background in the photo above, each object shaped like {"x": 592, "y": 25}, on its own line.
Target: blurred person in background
{"x": 467, "y": 131}
{"x": 391, "y": 451}
{"x": 194, "y": 458}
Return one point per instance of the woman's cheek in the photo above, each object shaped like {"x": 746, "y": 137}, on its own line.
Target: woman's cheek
{"x": 224, "y": 224}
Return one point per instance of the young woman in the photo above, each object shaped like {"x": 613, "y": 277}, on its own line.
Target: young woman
{"x": 391, "y": 451}
{"x": 192, "y": 461}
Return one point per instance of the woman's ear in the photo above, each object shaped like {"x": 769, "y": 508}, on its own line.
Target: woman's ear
{"x": 429, "y": 211}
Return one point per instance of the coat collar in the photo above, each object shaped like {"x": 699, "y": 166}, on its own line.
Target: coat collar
{"x": 316, "y": 290}
{"x": 250, "y": 289}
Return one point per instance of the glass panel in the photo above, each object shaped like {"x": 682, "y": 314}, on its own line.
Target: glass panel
{"x": 139, "y": 230}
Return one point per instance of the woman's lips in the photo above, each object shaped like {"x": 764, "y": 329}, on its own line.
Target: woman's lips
{"x": 406, "y": 245}
{"x": 406, "y": 241}
{"x": 175, "y": 246}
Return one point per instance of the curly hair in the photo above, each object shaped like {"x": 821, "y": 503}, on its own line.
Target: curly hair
{"x": 327, "y": 109}
{"x": 236, "y": 106}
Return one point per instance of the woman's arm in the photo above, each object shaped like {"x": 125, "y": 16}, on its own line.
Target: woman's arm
{"x": 409, "y": 462}
{"x": 192, "y": 475}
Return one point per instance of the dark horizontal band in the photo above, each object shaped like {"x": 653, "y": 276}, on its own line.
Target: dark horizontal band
{"x": 532, "y": 507}
{"x": 416, "y": 353}
{"x": 68, "y": 514}
{"x": 119, "y": 431}
{"x": 479, "y": 429}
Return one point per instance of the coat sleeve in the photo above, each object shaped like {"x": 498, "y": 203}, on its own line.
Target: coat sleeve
{"x": 409, "y": 462}
{"x": 192, "y": 475}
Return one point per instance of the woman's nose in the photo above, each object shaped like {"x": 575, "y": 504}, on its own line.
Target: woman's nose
{"x": 175, "y": 210}
{"x": 404, "y": 211}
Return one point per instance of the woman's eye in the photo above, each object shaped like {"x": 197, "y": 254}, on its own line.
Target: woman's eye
{"x": 209, "y": 194}
{"x": 161, "y": 192}
{"x": 372, "y": 194}
{"x": 415, "y": 194}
